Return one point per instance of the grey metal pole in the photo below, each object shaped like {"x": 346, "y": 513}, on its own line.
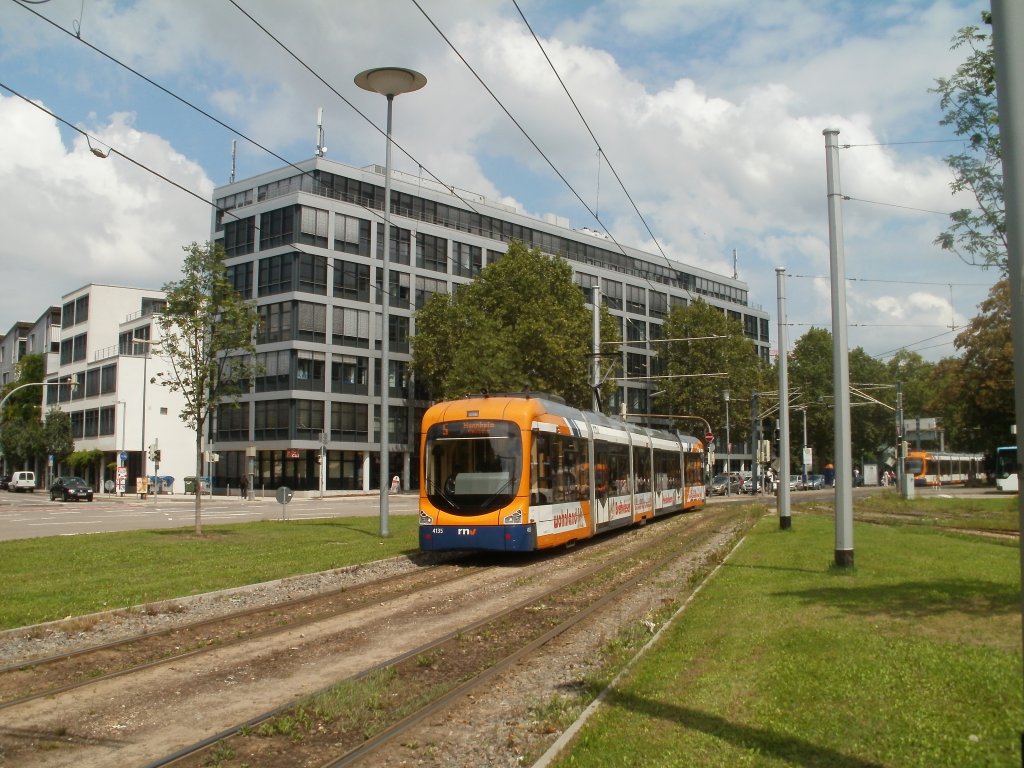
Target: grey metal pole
{"x": 1008, "y": 26}
{"x": 840, "y": 358}
{"x": 785, "y": 517}
{"x": 385, "y": 336}
{"x": 728, "y": 447}
{"x": 595, "y": 376}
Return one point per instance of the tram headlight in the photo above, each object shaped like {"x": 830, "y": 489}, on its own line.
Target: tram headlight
{"x": 516, "y": 518}
{"x": 425, "y": 519}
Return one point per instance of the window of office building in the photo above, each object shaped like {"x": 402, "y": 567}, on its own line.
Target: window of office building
{"x": 398, "y": 292}
{"x": 467, "y": 260}
{"x": 275, "y": 275}
{"x": 398, "y": 338}
{"x": 75, "y": 311}
{"x": 277, "y": 227}
{"x": 240, "y": 236}
{"x": 240, "y": 277}
{"x": 312, "y": 271}
{"x": 92, "y": 382}
{"x": 636, "y": 365}
{"x": 400, "y": 244}
{"x": 309, "y": 370}
{"x": 313, "y": 226}
{"x": 427, "y": 287}
{"x": 349, "y": 422}
{"x": 276, "y": 374}
{"x": 233, "y": 422}
{"x": 636, "y": 331}
{"x": 399, "y": 378}
{"x": 351, "y": 281}
{"x": 349, "y": 374}
{"x": 92, "y": 422}
{"x": 611, "y": 293}
{"x": 636, "y": 301}
{"x": 107, "y": 420}
{"x": 309, "y": 419}
{"x": 278, "y": 188}
{"x": 351, "y": 327}
{"x": 271, "y": 419}
{"x": 587, "y": 283}
{"x": 351, "y": 235}
{"x": 432, "y": 253}
{"x": 275, "y": 322}
{"x": 659, "y": 303}
{"x": 398, "y": 424}
{"x": 77, "y": 424}
{"x": 108, "y": 379}
{"x": 312, "y": 322}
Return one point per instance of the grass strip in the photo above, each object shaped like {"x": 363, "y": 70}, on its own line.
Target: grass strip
{"x": 55, "y": 577}
{"x": 912, "y": 658}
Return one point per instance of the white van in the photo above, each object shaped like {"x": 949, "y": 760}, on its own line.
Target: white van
{"x": 23, "y": 481}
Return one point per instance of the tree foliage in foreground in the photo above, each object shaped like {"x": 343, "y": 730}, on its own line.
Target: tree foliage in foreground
{"x": 968, "y": 103}
{"x": 521, "y": 325}
{"x": 208, "y": 339}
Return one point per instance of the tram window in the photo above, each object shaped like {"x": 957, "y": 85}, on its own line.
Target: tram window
{"x": 642, "y": 468}
{"x": 557, "y": 463}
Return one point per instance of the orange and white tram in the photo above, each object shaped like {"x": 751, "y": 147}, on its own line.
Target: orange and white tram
{"x": 524, "y": 472}
{"x": 933, "y": 468}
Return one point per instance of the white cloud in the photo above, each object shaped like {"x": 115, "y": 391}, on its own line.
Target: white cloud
{"x": 77, "y": 219}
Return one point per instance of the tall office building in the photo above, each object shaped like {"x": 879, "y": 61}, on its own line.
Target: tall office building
{"x": 306, "y": 243}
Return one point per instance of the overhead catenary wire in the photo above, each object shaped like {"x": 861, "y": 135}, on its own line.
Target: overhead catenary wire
{"x": 532, "y": 142}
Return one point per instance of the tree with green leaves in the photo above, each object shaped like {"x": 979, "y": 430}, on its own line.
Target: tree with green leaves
{"x": 968, "y": 103}
{"x": 57, "y": 435}
{"x": 706, "y": 352}
{"x": 521, "y": 325}
{"x": 208, "y": 339}
{"x": 975, "y": 392}
{"x": 21, "y": 429}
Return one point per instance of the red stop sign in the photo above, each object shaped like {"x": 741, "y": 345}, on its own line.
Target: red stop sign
{"x": 709, "y": 437}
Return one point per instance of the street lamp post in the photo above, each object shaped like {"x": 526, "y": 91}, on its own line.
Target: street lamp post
{"x": 389, "y": 82}
{"x": 728, "y": 445}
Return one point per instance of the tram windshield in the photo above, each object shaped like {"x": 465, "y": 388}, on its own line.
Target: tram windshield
{"x": 472, "y": 466}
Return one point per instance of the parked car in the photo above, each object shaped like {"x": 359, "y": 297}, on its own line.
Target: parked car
{"x": 722, "y": 483}
{"x": 813, "y": 483}
{"x": 23, "y": 480}
{"x": 750, "y": 485}
{"x": 70, "y": 489}
{"x": 5, "y": 482}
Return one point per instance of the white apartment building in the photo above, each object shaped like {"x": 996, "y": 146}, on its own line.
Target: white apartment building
{"x": 305, "y": 242}
{"x": 106, "y": 335}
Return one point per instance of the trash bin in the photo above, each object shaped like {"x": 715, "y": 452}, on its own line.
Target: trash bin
{"x": 190, "y": 485}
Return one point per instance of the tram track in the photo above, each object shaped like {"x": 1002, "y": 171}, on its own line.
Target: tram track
{"x": 58, "y": 673}
{"x": 390, "y": 654}
{"x": 413, "y": 689}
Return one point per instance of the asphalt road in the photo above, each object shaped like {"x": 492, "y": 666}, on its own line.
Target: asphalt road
{"x": 27, "y": 515}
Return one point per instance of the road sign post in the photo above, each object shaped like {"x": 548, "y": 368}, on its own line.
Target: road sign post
{"x": 284, "y": 495}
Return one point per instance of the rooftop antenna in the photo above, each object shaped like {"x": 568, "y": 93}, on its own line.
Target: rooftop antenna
{"x": 735, "y": 274}
{"x": 321, "y": 150}
{"x": 234, "y": 148}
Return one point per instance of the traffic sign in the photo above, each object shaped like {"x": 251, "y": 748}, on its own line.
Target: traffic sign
{"x": 709, "y": 437}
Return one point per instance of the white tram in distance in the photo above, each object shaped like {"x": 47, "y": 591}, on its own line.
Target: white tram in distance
{"x": 525, "y": 472}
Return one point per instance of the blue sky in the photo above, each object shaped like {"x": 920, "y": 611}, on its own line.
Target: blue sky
{"x": 710, "y": 111}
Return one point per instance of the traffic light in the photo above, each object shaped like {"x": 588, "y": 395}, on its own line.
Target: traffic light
{"x": 154, "y": 454}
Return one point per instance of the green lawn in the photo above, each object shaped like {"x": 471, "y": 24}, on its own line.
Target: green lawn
{"x": 50, "y": 578}
{"x": 912, "y": 658}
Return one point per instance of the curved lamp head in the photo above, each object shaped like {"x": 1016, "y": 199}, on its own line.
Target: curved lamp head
{"x": 390, "y": 81}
